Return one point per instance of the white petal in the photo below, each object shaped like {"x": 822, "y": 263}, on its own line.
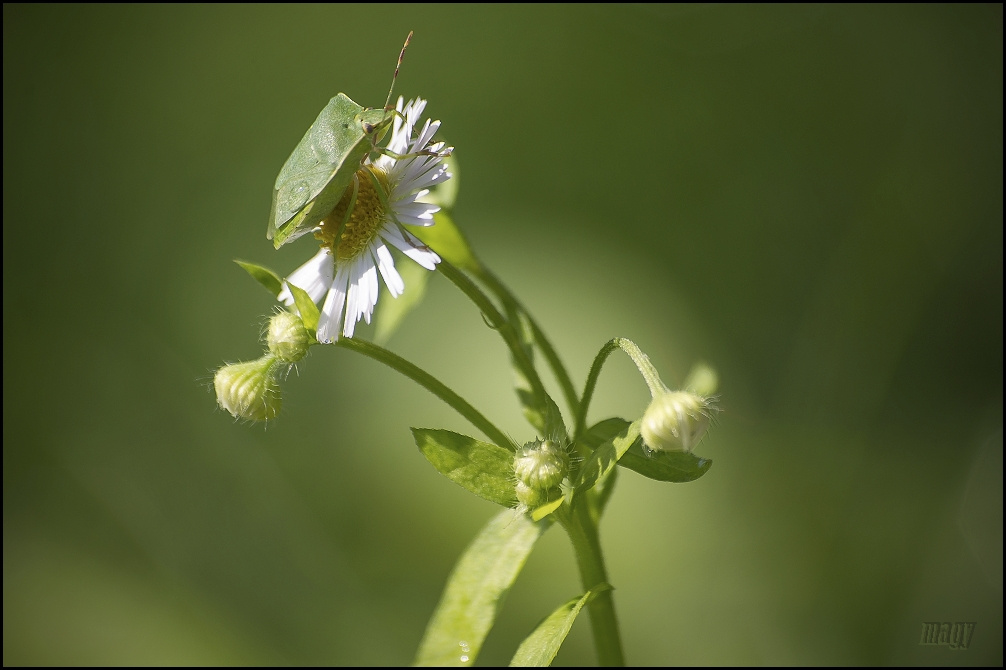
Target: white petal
{"x": 362, "y": 295}
{"x": 315, "y": 277}
{"x": 386, "y": 264}
{"x": 352, "y": 299}
{"x": 396, "y": 126}
{"x": 373, "y": 288}
{"x": 410, "y": 246}
{"x": 429, "y": 130}
{"x": 415, "y": 213}
{"x": 331, "y": 313}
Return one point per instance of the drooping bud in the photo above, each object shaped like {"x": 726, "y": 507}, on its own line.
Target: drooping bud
{"x": 250, "y": 390}
{"x": 675, "y": 421}
{"x": 287, "y": 337}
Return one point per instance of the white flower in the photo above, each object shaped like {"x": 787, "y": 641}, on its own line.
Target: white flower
{"x": 388, "y": 193}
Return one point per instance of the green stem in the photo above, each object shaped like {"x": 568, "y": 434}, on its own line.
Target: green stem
{"x": 642, "y": 362}
{"x": 498, "y": 322}
{"x": 431, "y": 384}
{"x": 558, "y": 369}
{"x": 458, "y": 278}
{"x": 582, "y": 531}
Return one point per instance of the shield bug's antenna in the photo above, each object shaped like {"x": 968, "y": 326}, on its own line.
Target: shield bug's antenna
{"x": 401, "y": 55}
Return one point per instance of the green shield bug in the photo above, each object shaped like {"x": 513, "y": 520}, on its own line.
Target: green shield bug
{"x": 321, "y": 167}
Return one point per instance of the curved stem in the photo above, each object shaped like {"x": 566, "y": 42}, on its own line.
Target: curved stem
{"x": 642, "y": 362}
{"x": 431, "y": 384}
{"x": 582, "y": 531}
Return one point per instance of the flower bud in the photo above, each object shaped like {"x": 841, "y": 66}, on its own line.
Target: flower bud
{"x": 675, "y": 421}
{"x": 528, "y": 497}
{"x": 249, "y": 390}
{"x": 539, "y": 468}
{"x": 287, "y": 337}
{"x": 541, "y": 464}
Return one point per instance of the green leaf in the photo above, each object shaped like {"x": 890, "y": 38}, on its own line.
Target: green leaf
{"x": 528, "y": 405}
{"x": 604, "y": 458}
{"x": 446, "y": 239}
{"x": 269, "y": 279}
{"x": 484, "y": 469}
{"x": 391, "y": 311}
{"x": 305, "y": 307}
{"x": 594, "y": 437}
{"x": 665, "y": 466}
{"x": 540, "y": 411}
{"x": 540, "y": 647}
{"x": 476, "y": 590}
{"x": 541, "y": 512}
{"x": 603, "y": 431}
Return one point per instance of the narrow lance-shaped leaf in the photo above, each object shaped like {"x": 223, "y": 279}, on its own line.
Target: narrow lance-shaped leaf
{"x": 305, "y": 307}
{"x": 264, "y": 276}
{"x": 476, "y": 590}
{"x": 484, "y": 469}
{"x": 540, "y": 647}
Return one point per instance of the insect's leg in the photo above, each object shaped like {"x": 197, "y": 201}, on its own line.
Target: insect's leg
{"x": 345, "y": 217}
{"x": 406, "y": 235}
{"x": 439, "y": 153}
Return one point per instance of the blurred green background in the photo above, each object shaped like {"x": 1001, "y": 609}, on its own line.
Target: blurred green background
{"x": 809, "y": 198}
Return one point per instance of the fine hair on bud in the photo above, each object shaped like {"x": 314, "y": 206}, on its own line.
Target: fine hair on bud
{"x": 675, "y": 421}
{"x": 541, "y": 464}
{"x": 287, "y": 337}
{"x": 250, "y": 390}
{"x": 539, "y": 470}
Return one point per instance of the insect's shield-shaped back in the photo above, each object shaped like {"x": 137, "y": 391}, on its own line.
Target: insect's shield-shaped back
{"x": 322, "y": 166}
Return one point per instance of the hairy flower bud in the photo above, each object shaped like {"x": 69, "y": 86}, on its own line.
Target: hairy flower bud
{"x": 287, "y": 337}
{"x": 249, "y": 390}
{"x": 528, "y": 497}
{"x": 539, "y": 468}
{"x": 541, "y": 464}
{"x": 675, "y": 421}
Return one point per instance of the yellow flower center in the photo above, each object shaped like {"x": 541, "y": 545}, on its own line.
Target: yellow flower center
{"x": 363, "y": 222}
